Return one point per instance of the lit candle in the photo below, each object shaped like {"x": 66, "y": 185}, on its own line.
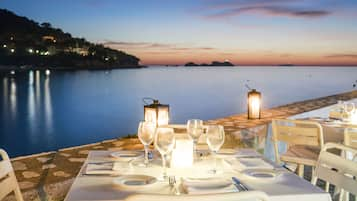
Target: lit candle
{"x": 163, "y": 117}
{"x": 254, "y": 104}
{"x": 255, "y": 107}
{"x": 182, "y": 155}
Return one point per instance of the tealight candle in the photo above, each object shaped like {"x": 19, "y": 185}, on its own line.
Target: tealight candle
{"x": 182, "y": 155}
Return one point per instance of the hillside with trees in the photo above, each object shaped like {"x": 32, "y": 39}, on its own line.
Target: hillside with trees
{"x": 24, "y": 42}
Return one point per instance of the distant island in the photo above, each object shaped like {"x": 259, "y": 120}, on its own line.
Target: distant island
{"x": 27, "y": 44}
{"x": 214, "y": 63}
{"x": 286, "y": 65}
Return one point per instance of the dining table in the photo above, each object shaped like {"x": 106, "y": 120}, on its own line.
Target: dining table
{"x": 333, "y": 129}
{"x": 105, "y": 176}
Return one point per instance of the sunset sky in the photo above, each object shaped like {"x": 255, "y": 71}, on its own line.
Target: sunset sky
{"x": 245, "y": 32}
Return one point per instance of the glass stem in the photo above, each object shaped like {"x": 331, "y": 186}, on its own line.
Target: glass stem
{"x": 215, "y": 162}
{"x": 164, "y": 165}
{"x": 194, "y": 149}
{"x": 146, "y": 161}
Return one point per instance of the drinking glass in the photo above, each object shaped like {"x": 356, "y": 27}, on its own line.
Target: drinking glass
{"x": 164, "y": 143}
{"x": 194, "y": 130}
{"x": 349, "y": 108}
{"x": 146, "y": 131}
{"x": 215, "y": 139}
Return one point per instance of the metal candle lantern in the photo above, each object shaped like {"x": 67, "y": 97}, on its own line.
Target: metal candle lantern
{"x": 254, "y": 104}
{"x": 157, "y": 113}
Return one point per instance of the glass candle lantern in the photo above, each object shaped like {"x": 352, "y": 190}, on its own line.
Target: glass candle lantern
{"x": 157, "y": 113}
{"x": 254, "y": 104}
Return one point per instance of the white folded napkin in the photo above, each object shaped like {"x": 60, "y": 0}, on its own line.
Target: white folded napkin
{"x": 249, "y": 163}
{"x": 99, "y": 168}
{"x": 208, "y": 186}
{"x": 247, "y": 153}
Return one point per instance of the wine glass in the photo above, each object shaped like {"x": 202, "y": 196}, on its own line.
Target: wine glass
{"x": 349, "y": 108}
{"x": 164, "y": 143}
{"x": 194, "y": 130}
{"x": 215, "y": 139}
{"x": 146, "y": 131}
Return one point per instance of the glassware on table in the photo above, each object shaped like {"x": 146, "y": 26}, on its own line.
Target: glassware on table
{"x": 164, "y": 143}
{"x": 340, "y": 107}
{"x": 215, "y": 138}
{"x": 194, "y": 130}
{"x": 146, "y": 132}
{"x": 349, "y": 108}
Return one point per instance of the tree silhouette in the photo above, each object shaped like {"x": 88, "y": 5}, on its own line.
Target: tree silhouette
{"x": 46, "y": 25}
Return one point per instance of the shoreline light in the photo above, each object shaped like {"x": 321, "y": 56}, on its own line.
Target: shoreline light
{"x": 254, "y": 104}
{"x": 47, "y": 72}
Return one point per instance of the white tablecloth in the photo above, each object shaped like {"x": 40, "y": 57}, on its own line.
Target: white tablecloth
{"x": 287, "y": 186}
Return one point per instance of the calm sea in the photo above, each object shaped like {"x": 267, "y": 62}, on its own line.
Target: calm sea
{"x": 41, "y": 112}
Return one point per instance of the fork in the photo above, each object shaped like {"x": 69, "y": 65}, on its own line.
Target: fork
{"x": 173, "y": 185}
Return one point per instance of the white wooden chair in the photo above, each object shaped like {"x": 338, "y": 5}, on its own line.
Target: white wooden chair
{"x": 8, "y": 182}
{"x": 304, "y": 141}
{"x": 350, "y": 137}
{"x": 240, "y": 196}
{"x": 336, "y": 169}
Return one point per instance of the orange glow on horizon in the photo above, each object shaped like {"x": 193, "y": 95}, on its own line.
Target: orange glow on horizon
{"x": 250, "y": 58}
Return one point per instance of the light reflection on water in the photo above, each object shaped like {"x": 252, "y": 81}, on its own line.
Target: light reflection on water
{"x": 13, "y": 99}
{"x": 48, "y": 107}
{"x": 42, "y": 113}
{"x": 31, "y": 109}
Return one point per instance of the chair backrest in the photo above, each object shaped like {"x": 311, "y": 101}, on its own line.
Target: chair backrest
{"x": 240, "y": 196}
{"x": 336, "y": 169}
{"x": 296, "y": 132}
{"x": 8, "y": 182}
{"x": 350, "y": 138}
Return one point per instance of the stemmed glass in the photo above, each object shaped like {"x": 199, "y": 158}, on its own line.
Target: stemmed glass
{"x": 215, "y": 139}
{"x": 164, "y": 143}
{"x": 194, "y": 129}
{"x": 349, "y": 108}
{"x": 146, "y": 131}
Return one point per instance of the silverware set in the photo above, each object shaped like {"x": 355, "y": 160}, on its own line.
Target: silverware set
{"x": 238, "y": 184}
{"x": 173, "y": 185}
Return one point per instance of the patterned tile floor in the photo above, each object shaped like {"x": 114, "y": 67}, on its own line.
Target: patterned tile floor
{"x": 48, "y": 176}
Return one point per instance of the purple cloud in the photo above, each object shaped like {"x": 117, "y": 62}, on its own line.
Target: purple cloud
{"x": 151, "y": 46}
{"x": 353, "y": 56}
{"x": 288, "y": 8}
{"x": 273, "y": 11}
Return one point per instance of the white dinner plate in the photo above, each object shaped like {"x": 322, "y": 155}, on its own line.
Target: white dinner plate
{"x": 206, "y": 183}
{"x": 126, "y": 155}
{"x": 133, "y": 182}
{"x": 261, "y": 174}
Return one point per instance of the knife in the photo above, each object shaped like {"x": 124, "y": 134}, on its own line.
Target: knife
{"x": 237, "y": 182}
